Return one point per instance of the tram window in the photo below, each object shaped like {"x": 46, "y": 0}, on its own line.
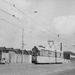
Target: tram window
{"x": 49, "y": 53}
{"x": 46, "y": 53}
{"x": 59, "y": 55}
{"x": 52, "y": 54}
{"x": 42, "y": 53}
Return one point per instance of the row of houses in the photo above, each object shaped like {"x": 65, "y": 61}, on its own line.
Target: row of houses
{"x": 11, "y": 55}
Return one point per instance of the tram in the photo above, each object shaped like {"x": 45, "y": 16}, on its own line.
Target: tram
{"x": 46, "y": 56}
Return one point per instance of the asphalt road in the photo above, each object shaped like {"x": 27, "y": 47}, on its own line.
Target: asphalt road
{"x": 31, "y": 69}
{"x": 67, "y": 72}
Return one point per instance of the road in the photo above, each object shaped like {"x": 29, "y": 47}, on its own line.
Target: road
{"x": 67, "y": 72}
{"x": 31, "y": 69}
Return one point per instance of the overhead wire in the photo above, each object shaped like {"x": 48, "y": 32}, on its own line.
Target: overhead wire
{"x": 28, "y": 25}
{"x": 38, "y": 23}
{"x": 11, "y": 23}
{"x": 33, "y": 19}
{"x": 19, "y": 19}
{"x": 24, "y": 13}
{"x": 30, "y": 18}
{"x": 17, "y": 26}
{"x": 62, "y": 38}
{"x": 24, "y": 22}
{"x": 15, "y": 17}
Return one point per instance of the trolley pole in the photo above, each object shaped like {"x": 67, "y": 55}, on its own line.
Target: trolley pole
{"x": 22, "y": 44}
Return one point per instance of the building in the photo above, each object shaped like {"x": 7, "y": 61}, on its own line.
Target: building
{"x": 11, "y": 55}
{"x": 4, "y": 56}
{"x": 70, "y": 56}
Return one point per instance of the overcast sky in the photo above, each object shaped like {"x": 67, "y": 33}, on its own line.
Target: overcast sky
{"x": 53, "y": 18}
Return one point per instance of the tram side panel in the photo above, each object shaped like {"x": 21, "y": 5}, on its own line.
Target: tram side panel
{"x": 45, "y": 56}
{"x": 44, "y": 59}
{"x": 60, "y": 57}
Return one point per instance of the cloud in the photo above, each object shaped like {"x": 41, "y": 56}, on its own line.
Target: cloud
{"x": 64, "y": 24}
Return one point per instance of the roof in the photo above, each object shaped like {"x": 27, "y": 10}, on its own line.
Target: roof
{"x": 2, "y": 48}
{"x": 69, "y": 52}
{"x": 10, "y": 49}
{"x": 17, "y": 50}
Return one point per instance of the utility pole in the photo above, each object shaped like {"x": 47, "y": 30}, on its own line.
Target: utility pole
{"x": 22, "y": 44}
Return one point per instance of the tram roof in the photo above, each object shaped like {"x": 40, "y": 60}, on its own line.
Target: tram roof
{"x": 51, "y": 50}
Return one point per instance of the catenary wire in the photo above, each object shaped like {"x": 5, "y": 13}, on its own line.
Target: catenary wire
{"x": 30, "y": 17}
{"x": 18, "y": 26}
{"x": 19, "y": 19}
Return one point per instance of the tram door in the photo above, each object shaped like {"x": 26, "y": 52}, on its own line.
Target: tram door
{"x": 55, "y": 56}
